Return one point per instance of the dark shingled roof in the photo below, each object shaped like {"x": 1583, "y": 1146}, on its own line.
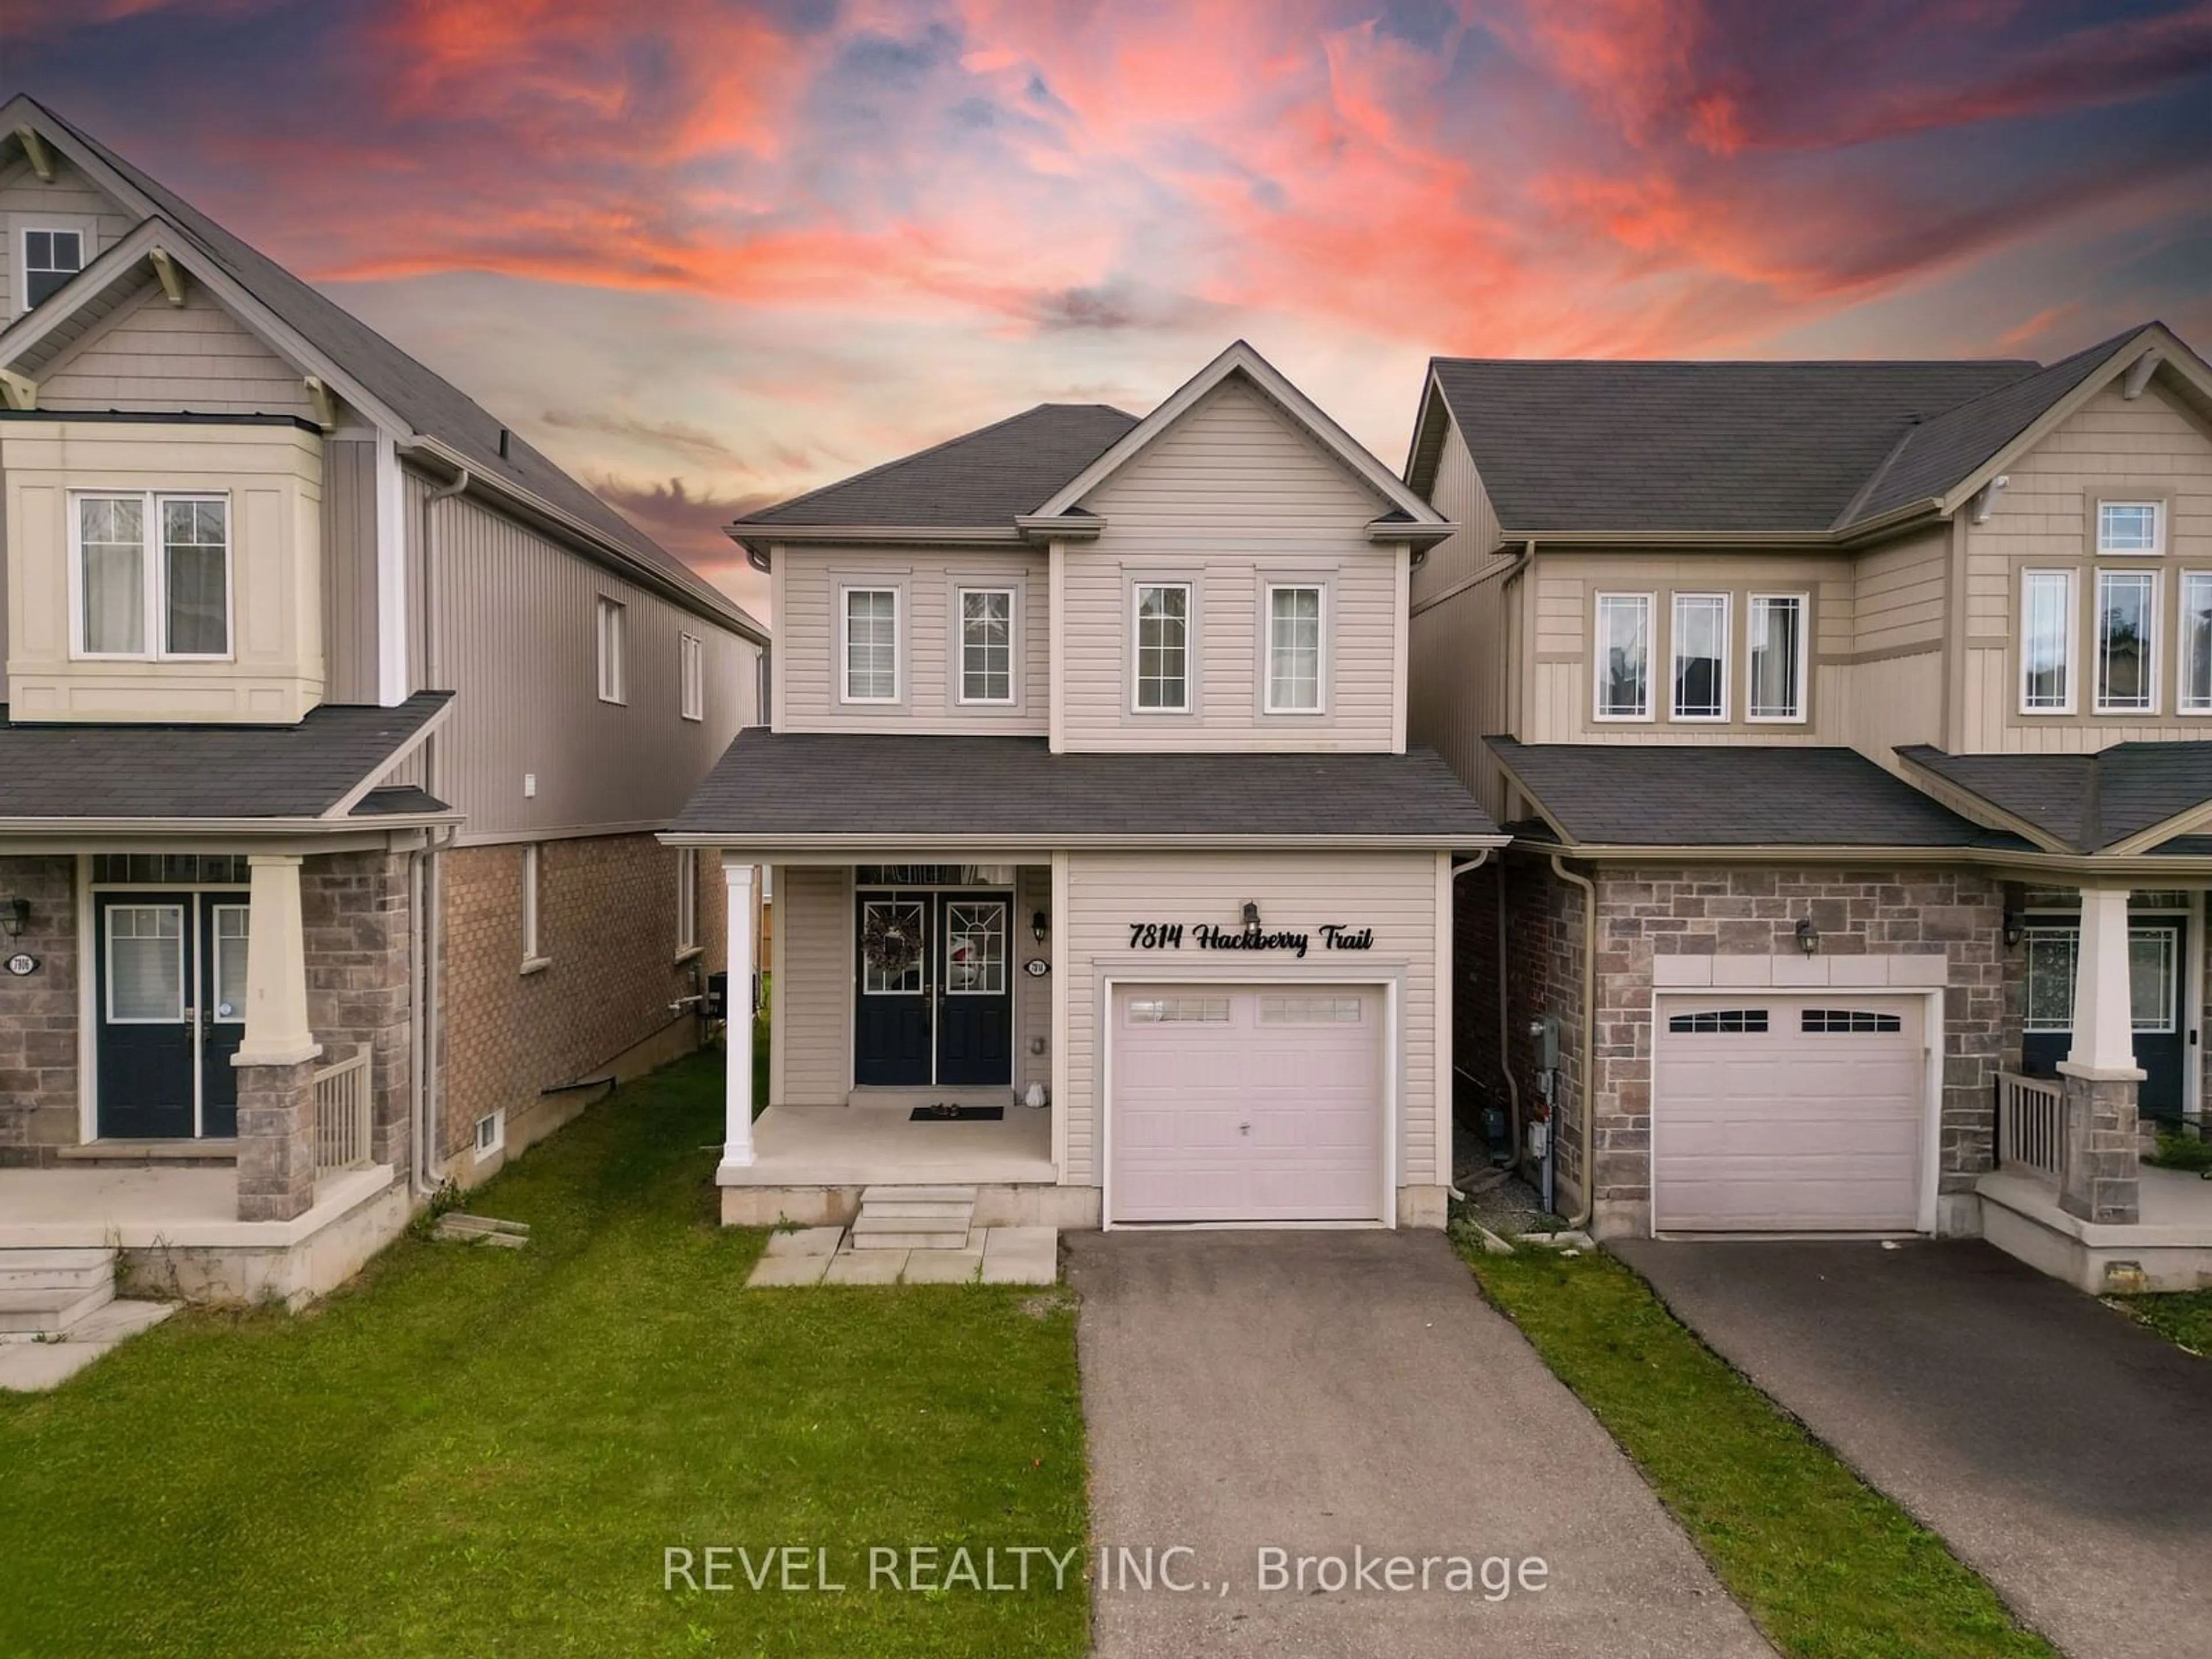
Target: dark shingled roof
{"x": 2088, "y": 801}
{"x": 801, "y": 785}
{"x": 987, "y": 477}
{"x": 1590, "y": 445}
{"x": 427, "y": 402}
{"x": 79, "y": 771}
{"x": 1721, "y": 795}
{"x": 398, "y": 800}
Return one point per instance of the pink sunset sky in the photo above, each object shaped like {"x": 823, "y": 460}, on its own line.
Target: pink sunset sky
{"x": 708, "y": 255}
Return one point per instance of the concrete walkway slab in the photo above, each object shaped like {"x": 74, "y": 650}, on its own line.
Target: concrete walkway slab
{"x": 866, "y": 1268}
{"x": 781, "y": 1272}
{"x": 1020, "y": 1255}
{"x": 1338, "y": 1396}
{"x": 2062, "y": 1450}
{"x": 803, "y": 1241}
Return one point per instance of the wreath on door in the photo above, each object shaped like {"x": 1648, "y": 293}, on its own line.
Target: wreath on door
{"x": 889, "y": 943}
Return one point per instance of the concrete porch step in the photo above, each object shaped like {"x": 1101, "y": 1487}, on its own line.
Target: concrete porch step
{"x": 50, "y": 1313}
{"x": 916, "y": 1195}
{"x": 946, "y": 1239}
{"x": 83, "y": 1269}
{"x": 913, "y": 1219}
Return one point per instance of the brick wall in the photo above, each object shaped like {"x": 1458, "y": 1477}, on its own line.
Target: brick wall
{"x": 38, "y": 1012}
{"x": 355, "y": 907}
{"x": 607, "y": 922}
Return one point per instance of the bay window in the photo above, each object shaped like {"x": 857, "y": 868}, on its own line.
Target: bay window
{"x": 1777, "y": 645}
{"x": 2046, "y": 643}
{"x": 1293, "y": 650}
{"x": 2195, "y": 688}
{"x": 2127, "y": 628}
{"x": 1701, "y": 631}
{"x": 1623, "y": 657}
{"x": 152, "y": 574}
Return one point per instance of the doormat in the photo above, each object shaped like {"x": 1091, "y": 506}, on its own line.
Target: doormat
{"x": 957, "y": 1114}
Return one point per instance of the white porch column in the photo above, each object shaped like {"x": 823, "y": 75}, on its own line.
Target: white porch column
{"x": 2104, "y": 1024}
{"x": 737, "y": 1022}
{"x": 276, "y": 1030}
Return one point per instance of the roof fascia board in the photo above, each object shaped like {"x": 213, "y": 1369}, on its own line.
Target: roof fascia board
{"x": 974, "y": 847}
{"x": 23, "y": 110}
{"x": 1566, "y": 841}
{"x": 407, "y": 746}
{"x": 600, "y": 546}
{"x": 1979, "y": 809}
{"x": 1241, "y": 359}
{"x": 2153, "y": 337}
{"x": 875, "y": 535}
{"x": 1043, "y": 528}
{"x": 2140, "y": 869}
{"x": 2181, "y": 824}
{"x": 1400, "y": 532}
{"x": 1419, "y": 478}
{"x": 34, "y": 325}
{"x": 324, "y": 835}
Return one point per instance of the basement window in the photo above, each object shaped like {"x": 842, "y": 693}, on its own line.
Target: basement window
{"x": 491, "y": 1133}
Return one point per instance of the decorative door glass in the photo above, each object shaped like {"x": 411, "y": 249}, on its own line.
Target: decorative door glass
{"x": 975, "y": 949}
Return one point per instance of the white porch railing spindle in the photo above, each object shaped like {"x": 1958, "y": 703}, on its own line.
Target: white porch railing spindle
{"x": 342, "y": 1101}
{"x": 2031, "y": 1123}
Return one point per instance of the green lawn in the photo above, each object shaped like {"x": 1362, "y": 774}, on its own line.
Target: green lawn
{"x": 1829, "y": 1568}
{"x": 2182, "y": 1318}
{"x": 476, "y": 1452}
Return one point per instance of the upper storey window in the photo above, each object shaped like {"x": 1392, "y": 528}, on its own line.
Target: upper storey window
{"x": 2127, "y": 633}
{"x": 986, "y": 645}
{"x": 613, "y": 652}
{"x": 2046, "y": 638}
{"x": 1293, "y": 650}
{"x": 2130, "y": 527}
{"x": 145, "y": 558}
{"x": 1701, "y": 632}
{"x": 1163, "y": 675}
{"x": 1624, "y": 656}
{"x": 871, "y": 645}
{"x": 1777, "y": 657}
{"x": 50, "y": 257}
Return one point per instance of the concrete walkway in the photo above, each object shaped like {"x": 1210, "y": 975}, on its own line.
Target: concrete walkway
{"x": 1330, "y": 1394}
{"x": 2063, "y": 1452}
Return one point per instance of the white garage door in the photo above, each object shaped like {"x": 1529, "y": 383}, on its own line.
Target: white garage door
{"x": 1246, "y": 1104}
{"x": 1802, "y": 1115}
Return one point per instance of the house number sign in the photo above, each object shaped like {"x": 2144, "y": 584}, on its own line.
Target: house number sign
{"x": 23, "y": 963}
{"x": 1206, "y": 936}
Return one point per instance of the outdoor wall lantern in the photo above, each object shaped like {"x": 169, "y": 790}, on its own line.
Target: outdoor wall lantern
{"x": 1251, "y": 919}
{"x": 2015, "y": 927}
{"x": 1808, "y": 936}
{"x": 1040, "y": 925}
{"x": 14, "y": 915}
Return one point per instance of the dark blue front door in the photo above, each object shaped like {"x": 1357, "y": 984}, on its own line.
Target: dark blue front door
{"x": 170, "y": 984}
{"x": 2158, "y": 979}
{"x": 933, "y": 996}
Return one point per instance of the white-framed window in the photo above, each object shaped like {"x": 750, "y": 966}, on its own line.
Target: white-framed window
{"x": 491, "y": 1133}
{"x": 872, "y": 625}
{"x": 2130, "y": 527}
{"x": 2046, "y": 643}
{"x": 692, "y": 676}
{"x": 2195, "y": 602}
{"x": 151, "y": 575}
{"x": 2127, "y": 641}
{"x": 1162, "y": 648}
{"x": 1623, "y": 657}
{"x": 613, "y": 675}
{"x": 986, "y": 645}
{"x": 533, "y": 952}
{"x": 1776, "y": 653}
{"x": 1294, "y": 650}
{"x": 48, "y": 256}
{"x": 232, "y": 927}
{"x": 687, "y": 900}
{"x": 1700, "y": 667}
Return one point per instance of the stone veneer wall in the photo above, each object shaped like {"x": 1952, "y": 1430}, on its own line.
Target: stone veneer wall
{"x": 356, "y": 910}
{"x": 607, "y": 922}
{"x": 39, "y": 1014}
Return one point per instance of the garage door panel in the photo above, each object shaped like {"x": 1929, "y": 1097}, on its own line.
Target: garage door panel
{"x": 1246, "y": 1104}
{"x": 1764, "y": 1125}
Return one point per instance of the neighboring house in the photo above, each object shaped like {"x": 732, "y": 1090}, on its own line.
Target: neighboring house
{"x": 1087, "y": 783}
{"x": 1849, "y": 721}
{"x": 338, "y": 724}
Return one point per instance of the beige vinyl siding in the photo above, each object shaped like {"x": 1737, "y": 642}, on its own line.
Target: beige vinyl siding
{"x": 1231, "y": 497}
{"x": 811, "y": 1030}
{"x": 350, "y": 615}
{"x": 1456, "y": 692}
{"x": 807, "y": 602}
{"x": 1458, "y": 494}
{"x": 25, "y": 198}
{"x": 2112, "y": 448}
{"x": 1393, "y": 893}
{"x": 151, "y": 355}
{"x": 1565, "y": 587}
{"x": 519, "y": 618}
{"x": 1894, "y": 700}
{"x": 1899, "y": 593}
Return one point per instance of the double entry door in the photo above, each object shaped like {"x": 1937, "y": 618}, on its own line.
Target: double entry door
{"x": 169, "y": 976}
{"x": 2157, "y": 985}
{"x": 934, "y": 996}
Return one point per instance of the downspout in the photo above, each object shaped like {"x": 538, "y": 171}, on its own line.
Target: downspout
{"x": 430, "y": 1166}
{"x": 1590, "y": 1034}
{"x": 1505, "y": 1030}
{"x": 1456, "y": 872}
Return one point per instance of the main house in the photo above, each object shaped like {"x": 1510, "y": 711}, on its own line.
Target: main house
{"x": 1107, "y": 883}
{"x": 339, "y": 722}
{"x": 1848, "y": 719}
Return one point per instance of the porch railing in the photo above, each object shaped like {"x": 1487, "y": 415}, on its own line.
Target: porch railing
{"x": 342, "y": 1115}
{"x": 2031, "y": 1123}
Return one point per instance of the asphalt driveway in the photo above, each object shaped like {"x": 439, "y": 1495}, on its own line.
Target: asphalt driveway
{"x": 1345, "y": 1396}
{"x": 2063, "y": 1452}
